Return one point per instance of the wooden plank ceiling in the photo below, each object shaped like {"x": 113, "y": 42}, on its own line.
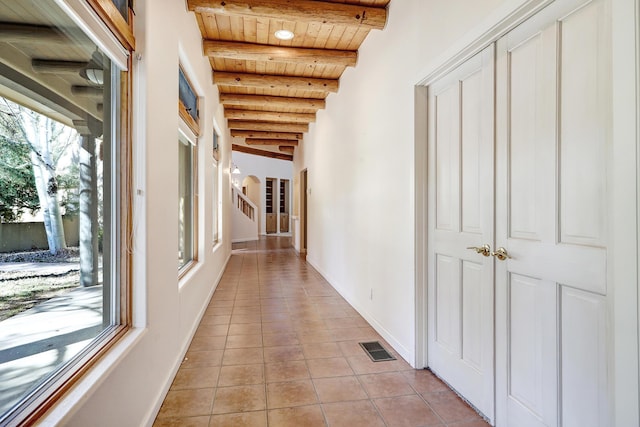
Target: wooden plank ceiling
{"x": 271, "y": 89}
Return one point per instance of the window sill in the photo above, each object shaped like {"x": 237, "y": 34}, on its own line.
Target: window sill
{"x": 187, "y": 272}
{"x": 60, "y": 413}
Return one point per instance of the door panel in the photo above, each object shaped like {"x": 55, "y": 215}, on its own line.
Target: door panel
{"x": 584, "y": 104}
{"x": 447, "y": 104}
{"x": 471, "y": 146}
{"x": 553, "y": 129}
{"x": 448, "y": 310}
{"x": 472, "y": 318}
{"x": 584, "y": 361}
{"x": 525, "y": 157}
{"x": 532, "y": 351}
{"x": 461, "y": 193}
{"x": 526, "y": 74}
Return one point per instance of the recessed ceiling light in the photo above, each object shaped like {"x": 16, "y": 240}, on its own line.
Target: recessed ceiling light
{"x": 284, "y": 34}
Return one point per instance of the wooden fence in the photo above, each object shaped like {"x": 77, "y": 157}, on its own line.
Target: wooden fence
{"x": 24, "y": 236}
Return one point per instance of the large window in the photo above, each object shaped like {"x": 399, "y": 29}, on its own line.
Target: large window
{"x": 188, "y": 110}
{"x": 216, "y": 191}
{"x": 186, "y": 201}
{"x": 62, "y": 120}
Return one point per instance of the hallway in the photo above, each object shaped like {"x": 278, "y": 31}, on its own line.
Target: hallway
{"x": 278, "y": 346}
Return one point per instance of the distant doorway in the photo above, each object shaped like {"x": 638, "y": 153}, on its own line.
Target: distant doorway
{"x": 271, "y": 214}
{"x": 283, "y": 205}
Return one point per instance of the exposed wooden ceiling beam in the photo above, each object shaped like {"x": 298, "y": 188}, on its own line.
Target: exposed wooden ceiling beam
{"x": 269, "y": 116}
{"x": 255, "y": 151}
{"x": 297, "y": 11}
{"x": 264, "y": 134}
{"x": 256, "y": 141}
{"x": 42, "y": 99}
{"x": 294, "y": 55}
{"x": 268, "y": 126}
{"x": 242, "y": 100}
{"x": 57, "y": 66}
{"x": 275, "y": 82}
{"x": 89, "y": 127}
{"x": 87, "y": 91}
{"x": 12, "y": 32}
{"x": 287, "y": 149}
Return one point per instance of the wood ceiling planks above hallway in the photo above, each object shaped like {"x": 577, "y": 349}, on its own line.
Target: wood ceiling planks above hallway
{"x": 271, "y": 89}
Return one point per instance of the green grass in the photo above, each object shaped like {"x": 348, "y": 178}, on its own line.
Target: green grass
{"x": 19, "y": 291}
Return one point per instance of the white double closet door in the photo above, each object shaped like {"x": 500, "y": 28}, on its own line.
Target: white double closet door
{"x": 519, "y": 142}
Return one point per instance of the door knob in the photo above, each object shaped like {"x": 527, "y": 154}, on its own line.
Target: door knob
{"x": 501, "y": 254}
{"x": 484, "y": 250}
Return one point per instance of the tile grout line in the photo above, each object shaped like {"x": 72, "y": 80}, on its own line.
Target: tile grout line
{"x": 290, "y": 290}
{"x": 224, "y": 350}
{"x": 264, "y": 362}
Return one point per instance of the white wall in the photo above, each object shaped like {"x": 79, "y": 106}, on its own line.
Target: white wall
{"x": 263, "y": 168}
{"x": 127, "y": 387}
{"x": 253, "y": 189}
{"x": 360, "y": 160}
{"x": 243, "y": 228}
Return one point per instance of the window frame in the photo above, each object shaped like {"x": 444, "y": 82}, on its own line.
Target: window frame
{"x": 216, "y": 143}
{"x": 29, "y": 410}
{"x": 183, "y": 110}
{"x": 189, "y": 129}
{"x": 216, "y": 186}
{"x": 186, "y": 136}
{"x": 120, "y": 27}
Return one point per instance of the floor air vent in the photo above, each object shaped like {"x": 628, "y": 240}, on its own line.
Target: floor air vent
{"x": 376, "y": 351}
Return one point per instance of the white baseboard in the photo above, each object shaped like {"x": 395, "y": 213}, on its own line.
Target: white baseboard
{"x": 153, "y": 413}
{"x": 249, "y": 239}
{"x": 405, "y": 353}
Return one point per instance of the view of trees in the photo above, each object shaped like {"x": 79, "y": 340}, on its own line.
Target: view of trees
{"x": 17, "y": 184}
{"x": 38, "y": 169}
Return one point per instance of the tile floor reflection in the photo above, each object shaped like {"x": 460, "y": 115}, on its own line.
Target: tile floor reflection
{"x": 278, "y": 347}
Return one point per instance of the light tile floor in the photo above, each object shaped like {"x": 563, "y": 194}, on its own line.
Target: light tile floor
{"x": 278, "y": 347}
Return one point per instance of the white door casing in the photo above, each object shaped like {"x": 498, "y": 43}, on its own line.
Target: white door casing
{"x": 460, "y": 291}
